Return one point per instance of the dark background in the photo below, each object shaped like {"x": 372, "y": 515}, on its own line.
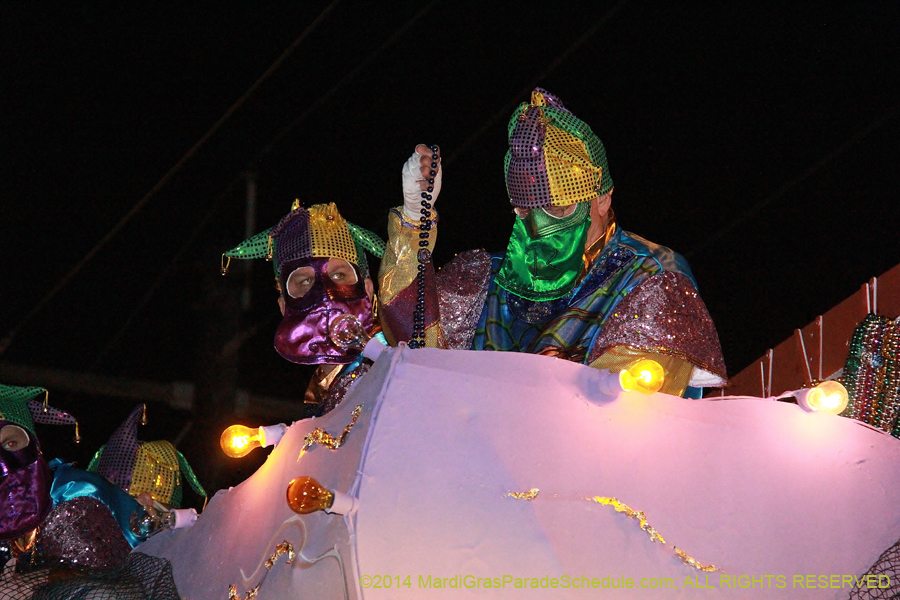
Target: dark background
{"x": 757, "y": 139}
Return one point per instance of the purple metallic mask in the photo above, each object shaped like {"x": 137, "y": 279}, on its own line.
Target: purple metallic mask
{"x": 302, "y": 336}
{"x": 25, "y": 482}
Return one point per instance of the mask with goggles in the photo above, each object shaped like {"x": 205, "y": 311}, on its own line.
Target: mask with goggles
{"x": 318, "y": 290}
{"x": 303, "y": 245}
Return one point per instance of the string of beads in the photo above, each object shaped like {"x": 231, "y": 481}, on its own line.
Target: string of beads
{"x": 423, "y": 256}
{"x": 871, "y": 374}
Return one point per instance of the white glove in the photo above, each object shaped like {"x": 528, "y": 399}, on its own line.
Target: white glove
{"x": 415, "y": 174}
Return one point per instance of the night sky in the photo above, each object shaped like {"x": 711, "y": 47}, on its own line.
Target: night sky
{"x": 759, "y": 140}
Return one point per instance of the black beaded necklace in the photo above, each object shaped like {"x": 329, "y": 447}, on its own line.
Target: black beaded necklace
{"x": 424, "y": 256}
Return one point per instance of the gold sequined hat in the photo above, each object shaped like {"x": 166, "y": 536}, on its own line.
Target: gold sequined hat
{"x": 315, "y": 232}
{"x": 155, "y": 468}
{"x": 554, "y": 158}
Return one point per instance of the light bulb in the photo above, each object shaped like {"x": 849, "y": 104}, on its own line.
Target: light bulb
{"x": 828, "y": 397}
{"x": 238, "y": 441}
{"x": 645, "y": 376}
{"x": 306, "y": 495}
{"x": 347, "y": 332}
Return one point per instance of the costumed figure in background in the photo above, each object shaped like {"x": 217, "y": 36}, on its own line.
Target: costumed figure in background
{"x": 150, "y": 472}
{"x": 53, "y": 512}
{"x": 321, "y": 274}
{"x": 61, "y": 527}
{"x": 572, "y": 284}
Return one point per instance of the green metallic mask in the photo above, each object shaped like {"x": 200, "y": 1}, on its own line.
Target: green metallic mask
{"x": 545, "y": 254}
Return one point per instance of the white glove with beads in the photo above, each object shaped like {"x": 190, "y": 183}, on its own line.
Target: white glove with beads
{"x": 415, "y": 173}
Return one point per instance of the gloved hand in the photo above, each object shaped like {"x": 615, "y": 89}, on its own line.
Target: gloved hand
{"x": 416, "y": 172}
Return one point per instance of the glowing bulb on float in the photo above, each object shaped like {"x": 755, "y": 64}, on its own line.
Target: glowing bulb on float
{"x": 306, "y": 495}
{"x": 829, "y": 397}
{"x": 646, "y": 376}
{"x": 238, "y": 441}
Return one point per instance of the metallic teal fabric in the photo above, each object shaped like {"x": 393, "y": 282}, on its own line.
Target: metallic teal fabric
{"x": 544, "y": 255}
{"x": 69, "y": 483}
{"x": 571, "y": 324}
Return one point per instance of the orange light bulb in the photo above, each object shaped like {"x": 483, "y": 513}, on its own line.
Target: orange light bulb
{"x": 646, "y": 376}
{"x": 238, "y": 441}
{"x": 306, "y": 495}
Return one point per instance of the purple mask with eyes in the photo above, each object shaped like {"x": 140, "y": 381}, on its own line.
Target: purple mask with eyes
{"x": 302, "y": 337}
{"x": 25, "y": 481}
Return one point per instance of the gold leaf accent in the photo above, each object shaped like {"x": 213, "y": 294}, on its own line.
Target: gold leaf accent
{"x": 233, "y": 595}
{"x": 654, "y": 535}
{"x": 320, "y": 436}
{"x": 529, "y": 495}
{"x": 284, "y": 547}
{"x": 632, "y": 514}
{"x": 693, "y": 562}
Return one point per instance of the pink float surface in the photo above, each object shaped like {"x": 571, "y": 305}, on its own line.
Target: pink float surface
{"x": 760, "y": 489}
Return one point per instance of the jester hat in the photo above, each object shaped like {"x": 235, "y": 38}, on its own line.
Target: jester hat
{"x": 554, "y": 159}
{"x": 154, "y": 468}
{"x": 18, "y": 405}
{"x": 315, "y": 232}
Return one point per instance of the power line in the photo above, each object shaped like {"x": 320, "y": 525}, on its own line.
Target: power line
{"x": 207, "y": 219}
{"x": 504, "y": 111}
{"x": 7, "y": 341}
{"x": 268, "y": 148}
{"x": 756, "y": 208}
{"x": 346, "y": 79}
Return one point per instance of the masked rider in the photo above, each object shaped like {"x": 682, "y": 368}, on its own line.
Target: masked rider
{"x": 321, "y": 273}
{"x": 571, "y": 284}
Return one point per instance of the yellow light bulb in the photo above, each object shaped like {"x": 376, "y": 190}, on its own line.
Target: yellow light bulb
{"x": 828, "y": 397}
{"x": 306, "y": 495}
{"x": 238, "y": 441}
{"x": 645, "y": 376}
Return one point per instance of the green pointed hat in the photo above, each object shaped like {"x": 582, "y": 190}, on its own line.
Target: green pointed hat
{"x": 19, "y": 405}
{"x": 315, "y": 232}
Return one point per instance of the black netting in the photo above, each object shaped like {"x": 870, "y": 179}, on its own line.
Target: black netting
{"x": 142, "y": 577}
{"x": 885, "y": 572}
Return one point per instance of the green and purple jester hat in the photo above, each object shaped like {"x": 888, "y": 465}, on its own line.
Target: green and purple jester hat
{"x": 152, "y": 468}
{"x": 26, "y": 478}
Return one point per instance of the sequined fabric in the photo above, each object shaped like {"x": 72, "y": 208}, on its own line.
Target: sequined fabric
{"x": 118, "y": 456}
{"x": 82, "y": 533}
{"x": 462, "y": 287}
{"x": 329, "y": 234}
{"x": 290, "y": 238}
{"x": 570, "y": 326}
{"x": 554, "y": 158}
{"x": 664, "y": 314}
{"x": 47, "y": 415}
{"x": 293, "y": 238}
{"x": 14, "y": 404}
{"x": 157, "y": 473}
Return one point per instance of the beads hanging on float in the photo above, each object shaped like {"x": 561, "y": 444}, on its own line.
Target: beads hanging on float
{"x": 423, "y": 256}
